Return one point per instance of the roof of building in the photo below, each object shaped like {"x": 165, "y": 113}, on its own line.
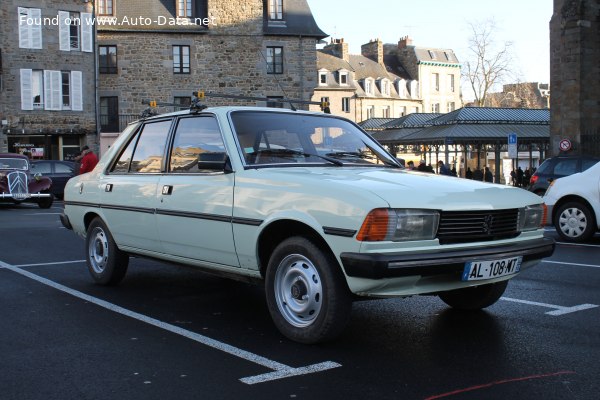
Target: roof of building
{"x": 429, "y": 55}
{"x": 364, "y": 67}
{"x": 299, "y": 21}
{"x": 491, "y": 115}
{"x": 375, "y": 123}
{"x": 412, "y": 120}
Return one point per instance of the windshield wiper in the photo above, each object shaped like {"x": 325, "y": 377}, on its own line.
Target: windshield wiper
{"x": 355, "y": 154}
{"x": 291, "y": 152}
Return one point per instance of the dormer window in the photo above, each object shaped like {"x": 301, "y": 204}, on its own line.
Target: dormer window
{"x": 276, "y": 10}
{"x": 322, "y": 78}
{"x": 384, "y": 87}
{"x": 343, "y": 78}
{"x": 448, "y": 56}
{"x": 184, "y": 8}
{"x": 432, "y": 54}
{"x": 368, "y": 86}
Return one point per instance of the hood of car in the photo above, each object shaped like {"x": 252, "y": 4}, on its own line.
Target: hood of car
{"x": 408, "y": 189}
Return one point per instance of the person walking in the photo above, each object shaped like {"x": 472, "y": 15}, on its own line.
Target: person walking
{"x": 88, "y": 160}
{"x": 469, "y": 173}
{"x": 443, "y": 169}
{"x": 488, "y": 177}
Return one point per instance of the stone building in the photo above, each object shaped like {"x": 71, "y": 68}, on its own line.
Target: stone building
{"x": 165, "y": 50}
{"x": 575, "y": 76}
{"x": 387, "y": 81}
{"x": 521, "y": 95}
{"x": 47, "y": 98}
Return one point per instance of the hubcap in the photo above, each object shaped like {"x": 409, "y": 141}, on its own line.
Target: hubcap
{"x": 98, "y": 250}
{"x": 572, "y": 222}
{"x": 298, "y": 290}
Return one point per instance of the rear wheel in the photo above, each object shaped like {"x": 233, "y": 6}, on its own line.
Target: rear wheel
{"x": 476, "y": 297}
{"x": 45, "y": 202}
{"x": 106, "y": 263}
{"x": 574, "y": 222}
{"x": 306, "y": 292}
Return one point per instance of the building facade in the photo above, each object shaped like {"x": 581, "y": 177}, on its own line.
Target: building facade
{"x": 47, "y": 94}
{"x": 387, "y": 81}
{"x": 521, "y": 95}
{"x": 165, "y": 50}
{"x": 575, "y": 77}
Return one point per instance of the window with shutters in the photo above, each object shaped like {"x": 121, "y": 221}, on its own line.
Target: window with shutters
{"x": 37, "y": 89}
{"x": 51, "y": 90}
{"x": 75, "y": 31}
{"x": 30, "y": 28}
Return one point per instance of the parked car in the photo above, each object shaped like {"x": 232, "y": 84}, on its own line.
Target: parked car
{"x": 307, "y": 204}
{"x": 557, "y": 167}
{"x": 19, "y": 184}
{"x": 574, "y": 204}
{"x": 59, "y": 171}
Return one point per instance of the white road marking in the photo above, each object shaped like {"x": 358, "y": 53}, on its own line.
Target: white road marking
{"x": 41, "y": 213}
{"x": 577, "y": 244}
{"x": 280, "y": 370}
{"x": 568, "y": 263}
{"x": 44, "y": 264}
{"x": 559, "y": 310}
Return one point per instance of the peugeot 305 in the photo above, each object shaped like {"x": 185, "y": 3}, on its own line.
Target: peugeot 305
{"x": 305, "y": 203}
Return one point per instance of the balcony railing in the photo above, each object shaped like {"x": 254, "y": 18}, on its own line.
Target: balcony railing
{"x": 116, "y": 123}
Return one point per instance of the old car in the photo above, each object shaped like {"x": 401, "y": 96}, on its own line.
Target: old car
{"x": 574, "y": 204}
{"x": 305, "y": 203}
{"x": 58, "y": 170}
{"x": 18, "y": 184}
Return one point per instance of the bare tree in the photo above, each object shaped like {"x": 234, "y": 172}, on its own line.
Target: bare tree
{"x": 489, "y": 64}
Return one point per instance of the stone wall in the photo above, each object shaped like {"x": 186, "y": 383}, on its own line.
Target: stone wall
{"x": 575, "y": 76}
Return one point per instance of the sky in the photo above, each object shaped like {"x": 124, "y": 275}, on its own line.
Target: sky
{"x": 444, "y": 24}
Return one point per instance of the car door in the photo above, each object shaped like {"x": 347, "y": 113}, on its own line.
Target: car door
{"x": 130, "y": 187}
{"x": 194, "y": 204}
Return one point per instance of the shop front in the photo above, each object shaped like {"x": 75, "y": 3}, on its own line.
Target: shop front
{"x": 46, "y": 147}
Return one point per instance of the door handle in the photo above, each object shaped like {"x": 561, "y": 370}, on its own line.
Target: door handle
{"x": 108, "y": 187}
{"x": 167, "y": 190}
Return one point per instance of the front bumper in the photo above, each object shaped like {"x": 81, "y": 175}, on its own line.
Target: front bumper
{"x": 24, "y": 196}
{"x": 65, "y": 222}
{"x": 379, "y": 266}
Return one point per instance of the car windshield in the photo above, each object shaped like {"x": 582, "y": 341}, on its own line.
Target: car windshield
{"x": 13, "y": 163}
{"x": 292, "y": 139}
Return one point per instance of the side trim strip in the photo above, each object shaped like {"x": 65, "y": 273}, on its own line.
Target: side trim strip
{"x": 186, "y": 214}
{"x": 246, "y": 221}
{"x": 339, "y": 231}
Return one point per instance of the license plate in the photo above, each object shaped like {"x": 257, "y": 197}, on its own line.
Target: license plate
{"x": 479, "y": 270}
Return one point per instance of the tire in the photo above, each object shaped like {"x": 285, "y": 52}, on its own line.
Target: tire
{"x": 574, "y": 222}
{"x": 307, "y": 295}
{"x": 476, "y": 297}
{"x": 45, "y": 202}
{"x": 106, "y": 263}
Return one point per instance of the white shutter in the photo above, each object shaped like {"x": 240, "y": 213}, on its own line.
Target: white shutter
{"x": 36, "y": 30}
{"x": 24, "y": 29}
{"x": 52, "y": 90}
{"x": 86, "y": 32}
{"x": 63, "y": 31}
{"x": 26, "y": 90}
{"x": 76, "y": 91}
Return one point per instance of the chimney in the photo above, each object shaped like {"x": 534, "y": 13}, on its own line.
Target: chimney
{"x": 404, "y": 42}
{"x": 373, "y": 50}
{"x": 338, "y": 48}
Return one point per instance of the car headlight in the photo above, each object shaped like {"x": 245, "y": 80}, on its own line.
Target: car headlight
{"x": 385, "y": 224}
{"x": 532, "y": 217}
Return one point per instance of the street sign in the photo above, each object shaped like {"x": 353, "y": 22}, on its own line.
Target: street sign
{"x": 512, "y": 145}
{"x": 564, "y": 145}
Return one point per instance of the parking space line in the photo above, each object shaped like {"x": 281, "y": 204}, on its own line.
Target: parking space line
{"x": 559, "y": 310}
{"x": 280, "y": 370}
{"x": 577, "y": 244}
{"x": 568, "y": 263}
{"x": 50, "y": 263}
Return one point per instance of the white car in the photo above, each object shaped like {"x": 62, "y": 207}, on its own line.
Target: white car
{"x": 308, "y": 205}
{"x": 574, "y": 204}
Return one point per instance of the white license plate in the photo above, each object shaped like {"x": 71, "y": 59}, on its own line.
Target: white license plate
{"x": 479, "y": 270}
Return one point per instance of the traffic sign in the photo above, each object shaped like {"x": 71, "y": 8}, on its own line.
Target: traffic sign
{"x": 565, "y": 145}
{"x": 512, "y": 145}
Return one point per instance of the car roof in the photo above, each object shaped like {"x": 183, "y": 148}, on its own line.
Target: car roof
{"x": 227, "y": 109}
{"x": 13, "y": 155}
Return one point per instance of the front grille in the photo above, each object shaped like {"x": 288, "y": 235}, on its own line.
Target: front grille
{"x": 477, "y": 226}
{"x": 17, "y": 185}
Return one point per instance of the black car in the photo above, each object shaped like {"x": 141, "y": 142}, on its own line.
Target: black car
{"x": 59, "y": 171}
{"x": 557, "y": 167}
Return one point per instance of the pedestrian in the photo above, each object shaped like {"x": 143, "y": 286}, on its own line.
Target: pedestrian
{"x": 488, "y": 175}
{"x": 88, "y": 160}
{"x": 477, "y": 175}
{"x": 513, "y": 177}
{"x": 519, "y": 177}
{"x": 423, "y": 167}
{"x": 443, "y": 169}
{"x": 411, "y": 165}
{"x": 526, "y": 177}
{"x": 469, "y": 173}
{"x": 453, "y": 171}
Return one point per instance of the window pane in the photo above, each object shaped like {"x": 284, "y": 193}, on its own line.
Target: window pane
{"x": 149, "y": 152}
{"x": 194, "y": 136}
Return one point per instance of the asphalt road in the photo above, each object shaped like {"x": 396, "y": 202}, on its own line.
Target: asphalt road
{"x": 171, "y": 332}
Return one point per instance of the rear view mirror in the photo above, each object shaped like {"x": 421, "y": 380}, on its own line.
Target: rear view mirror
{"x": 216, "y": 161}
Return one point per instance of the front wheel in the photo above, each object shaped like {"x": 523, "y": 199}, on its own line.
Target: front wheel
{"x": 476, "y": 297}
{"x": 306, "y": 292}
{"x": 45, "y": 202}
{"x": 106, "y": 263}
{"x": 574, "y": 222}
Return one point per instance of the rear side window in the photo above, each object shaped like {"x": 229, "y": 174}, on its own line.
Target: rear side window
{"x": 62, "y": 168}
{"x": 41, "y": 167}
{"x": 145, "y": 152}
{"x": 566, "y": 167}
{"x": 586, "y": 163}
{"x": 195, "y": 137}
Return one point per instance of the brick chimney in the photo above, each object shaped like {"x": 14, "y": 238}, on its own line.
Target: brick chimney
{"x": 404, "y": 42}
{"x": 338, "y": 48}
{"x": 373, "y": 50}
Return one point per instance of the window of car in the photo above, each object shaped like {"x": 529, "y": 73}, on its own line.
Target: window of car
{"x": 145, "y": 152}
{"x": 564, "y": 167}
{"x": 13, "y": 163}
{"x": 41, "y": 167}
{"x": 286, "y": 138}
{"x": 194, "y": 137}
{"x": 61, "y": 168}
{"x": 587, "y": 163}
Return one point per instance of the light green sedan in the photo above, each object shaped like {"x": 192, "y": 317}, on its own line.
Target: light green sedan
{"x": 307, "y": 204}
